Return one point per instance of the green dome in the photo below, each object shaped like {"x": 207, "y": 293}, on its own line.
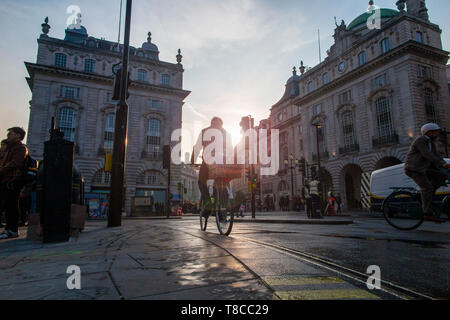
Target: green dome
{"x": 362, "y": 19}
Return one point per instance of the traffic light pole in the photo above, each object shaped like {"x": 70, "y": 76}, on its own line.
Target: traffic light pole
{"x": 120, "y": 135}
{"x": 253, "y": 192}
{"x": 168, "y": 192}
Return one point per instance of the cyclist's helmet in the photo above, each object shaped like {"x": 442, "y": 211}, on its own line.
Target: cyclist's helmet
{"x": 430, "y": 127}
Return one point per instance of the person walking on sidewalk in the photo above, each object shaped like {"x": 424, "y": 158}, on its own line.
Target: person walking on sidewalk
{"x": 307, "y": 196}
{"x": 11, "y": 173}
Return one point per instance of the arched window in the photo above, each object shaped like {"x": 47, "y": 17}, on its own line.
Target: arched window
{"x": 154, "y": 137}
{"x": 384, "y": 120}
{"x": 325, "y": 78}
{"x": 362, "y": 58}
{"x": 430, "y": 110}
{"x": 385, "y": 45}
{"x": 60, "y": 60}
{"x": 108, "y": 142}
{"x": 67, "y": 122}
{"x": 310, "y": 86}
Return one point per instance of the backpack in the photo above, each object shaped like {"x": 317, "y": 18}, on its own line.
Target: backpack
{"x": 30, "y": 170}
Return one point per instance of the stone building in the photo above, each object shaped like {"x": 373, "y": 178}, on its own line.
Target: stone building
{"x": 365, "y": 103}
{"x": 72, "y": 80}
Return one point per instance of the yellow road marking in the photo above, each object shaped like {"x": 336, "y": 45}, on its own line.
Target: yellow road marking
{"x": 301, "y": 281}
{"x": 326, "y": 294}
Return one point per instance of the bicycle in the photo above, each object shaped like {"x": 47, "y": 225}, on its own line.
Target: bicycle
{"x": 402, "y": 209}
{"x": 220, "y": 202}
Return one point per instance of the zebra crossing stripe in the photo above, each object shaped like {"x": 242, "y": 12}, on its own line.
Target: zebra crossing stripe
{"x": 315, "y": 288}
{"x": 326, "y": 294}
{"x": 365, "y": 189}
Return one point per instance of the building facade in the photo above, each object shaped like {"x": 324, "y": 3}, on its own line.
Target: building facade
{"x": 72, "y": 81}
{"x": 361, "y": 108}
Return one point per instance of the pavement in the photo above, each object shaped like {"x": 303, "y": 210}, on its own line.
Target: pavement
{"x": 155, "y": 259}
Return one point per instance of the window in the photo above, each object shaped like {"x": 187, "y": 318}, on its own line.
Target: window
{"x": 67, "y": 120}
{"x": 345, "y": 97}
{"x": 325, "y": 78}
{"x": 157, "y": 105}
{"x": 153, "y": 137}
{"x": 301, "y": 144}
{"x": 89, "y": 65}
{"x": 429, "y": 105}
{"x": 362, "y": 58}
{"x": 300, "y": 129}
{"x": 142, "y": 75}
{"x": 310, "y": 86}
{"x": 165, "y": 80}
{"x": 384, "y": 121}
{"x": 379, "y": 82}
{"x": 317, "y": 109}
{"x": 347, "y": 129}
{"x": 101, "y": 178}
{"x": 419, "y": 36}
{"x": 108, "y": 96}
{"x": 69, "y": 92}
{"x": 108, "y": 142}
{"x": 385, "y": 45}
{"x": 423, "y": 71}
{"x": 60, "y": 60}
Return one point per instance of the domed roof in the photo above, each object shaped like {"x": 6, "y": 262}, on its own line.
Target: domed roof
{"x": 149, "y": 46}
{"x": 294, "y": 77}
{"x": 362, "y": 19}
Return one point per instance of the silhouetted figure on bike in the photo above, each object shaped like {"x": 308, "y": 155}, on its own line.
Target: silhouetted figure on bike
{"x": 423, "y": 164}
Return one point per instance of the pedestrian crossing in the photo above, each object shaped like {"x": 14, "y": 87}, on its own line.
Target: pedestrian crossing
{"x": 316, "y": 288}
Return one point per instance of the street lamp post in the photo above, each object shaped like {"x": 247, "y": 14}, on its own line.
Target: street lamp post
{"x": 120, "y": 134}
{"x": 318, "y": 127}
{"x": 292, "y": 167}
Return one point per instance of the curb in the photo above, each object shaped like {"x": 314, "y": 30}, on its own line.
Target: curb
{"x": 318, "y": 222}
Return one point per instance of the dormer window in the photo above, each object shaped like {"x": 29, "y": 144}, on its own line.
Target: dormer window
{"x": 60, "y": 60}
{"x": 165, "y": 80}
{"x": 89, "y": 65}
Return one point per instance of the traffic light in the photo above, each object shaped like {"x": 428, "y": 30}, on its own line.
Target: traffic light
{"x": 313, "y": 172}
{"x": 117, "y": 79}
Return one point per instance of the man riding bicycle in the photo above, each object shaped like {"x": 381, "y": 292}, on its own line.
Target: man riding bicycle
{"x": 202, "y": 143}
{"x": 423, "y": 164}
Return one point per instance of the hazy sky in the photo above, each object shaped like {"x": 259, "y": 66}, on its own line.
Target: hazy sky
{"x": 238, "y": 54}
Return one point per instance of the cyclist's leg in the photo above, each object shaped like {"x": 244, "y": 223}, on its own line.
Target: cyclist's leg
{"x": 202, "y": 185}
{"x": 426, "y": 191}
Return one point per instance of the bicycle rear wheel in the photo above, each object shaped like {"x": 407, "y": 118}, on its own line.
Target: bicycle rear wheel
{"x": 403, "y": 210}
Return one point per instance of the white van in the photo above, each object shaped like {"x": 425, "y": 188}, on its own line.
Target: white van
{"x": 383, "y": 180}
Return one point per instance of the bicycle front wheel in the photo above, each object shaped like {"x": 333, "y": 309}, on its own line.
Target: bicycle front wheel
{"x": 224, "y": 219}
{"x": 403, "y": 210}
